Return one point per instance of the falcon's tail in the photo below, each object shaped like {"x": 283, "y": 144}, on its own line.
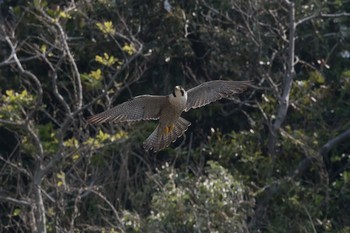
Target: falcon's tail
{"x": 162, "y": 137}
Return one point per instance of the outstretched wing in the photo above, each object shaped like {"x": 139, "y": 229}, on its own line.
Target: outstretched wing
{"x": 212, "y": 91}
{"x": 144, "y": 107}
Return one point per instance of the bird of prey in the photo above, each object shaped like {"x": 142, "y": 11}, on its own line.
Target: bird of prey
{"x": 167, "y": 109}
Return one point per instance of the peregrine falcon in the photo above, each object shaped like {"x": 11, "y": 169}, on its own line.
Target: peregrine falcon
{"x": 167, "y": 109}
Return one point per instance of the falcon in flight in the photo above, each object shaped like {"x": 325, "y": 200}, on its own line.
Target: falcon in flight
{"x": 167, "y": 109}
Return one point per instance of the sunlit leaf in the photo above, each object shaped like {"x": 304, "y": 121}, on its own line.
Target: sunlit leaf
{"x": 106, "y": 60}
{"x": 75, "y": 157}
{"x": 106, "y": 27}
{"x": 129, "y": 49}
{"x": 317, "y": 77}
{"x": 43, "y": 48}
{"x": 64, "y": 15}
{"x": 16, "y": 212}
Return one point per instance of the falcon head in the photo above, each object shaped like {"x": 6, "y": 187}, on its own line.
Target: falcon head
{"x": 179, "y": 92}
{"x": 178, "y": 97}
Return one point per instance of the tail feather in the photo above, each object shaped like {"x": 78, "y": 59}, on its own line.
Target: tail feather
{"x": 151, "y": 140}
{"x": 161, "y": 138}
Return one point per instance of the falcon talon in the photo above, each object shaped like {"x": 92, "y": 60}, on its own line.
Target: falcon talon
{"x": 169, "y": 128}
{"x": 168, "y": 109}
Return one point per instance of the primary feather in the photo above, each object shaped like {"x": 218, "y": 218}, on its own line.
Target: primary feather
{"x": 209, "y": 92}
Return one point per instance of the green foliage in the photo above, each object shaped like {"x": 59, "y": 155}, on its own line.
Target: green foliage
{"x": 106, "y": 27}
{"x": 100, "y": 140}
{"x": 215, "y": 201}
{"x": 48, "y": 135}
{"x": 14, "y": 104}
{"x": 93, "y": 79}
{"x": 106, "y": 59}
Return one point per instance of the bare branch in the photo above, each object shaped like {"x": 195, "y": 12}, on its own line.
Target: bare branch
{"x": 39, "y": 208}
{"x": 55, "y": 88}
{"x": 303, "y": 20}
{"x": 15, "y": 201}
{"x": 335, "y": 15}
{"x": 110, "y": 205}
{"x": 333, "y": 142}
{"x": 75, "y": 213}
{"x": 29, "y": 74}
{"x": 323, "y": 15}
{"x": 15, "y": 166}
{"x": 63, "y": 36}
{"x": 7, "y": 122}
{"x": 287, "y": 81}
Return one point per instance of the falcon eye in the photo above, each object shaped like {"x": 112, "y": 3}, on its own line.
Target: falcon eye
{"x": 182, "y": 92}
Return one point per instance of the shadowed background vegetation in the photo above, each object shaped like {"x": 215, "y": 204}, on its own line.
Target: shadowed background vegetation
{"x": 273, "y": 159}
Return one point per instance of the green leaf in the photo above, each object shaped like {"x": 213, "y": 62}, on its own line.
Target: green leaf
{"x": 16, "y": 212}
{"x": 317, "y": 77}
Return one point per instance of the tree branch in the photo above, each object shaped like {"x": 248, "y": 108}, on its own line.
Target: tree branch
{"x": 15, "y": 201}
{"x": 333, "y": 142}
{"x": 335, "y": 15}
{"x": 320, "y": 14}
{"x": 78, "y": 86}
{"x": 283, "y": 100}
